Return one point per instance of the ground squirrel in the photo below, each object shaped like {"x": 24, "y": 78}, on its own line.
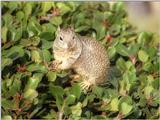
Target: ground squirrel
{"x": 84, "y": 55}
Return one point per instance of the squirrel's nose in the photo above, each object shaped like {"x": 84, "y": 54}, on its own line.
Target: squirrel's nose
{"x": 66, "y": 46}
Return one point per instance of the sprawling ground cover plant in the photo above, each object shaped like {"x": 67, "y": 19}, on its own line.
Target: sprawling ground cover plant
{"x": 30, "y": 90}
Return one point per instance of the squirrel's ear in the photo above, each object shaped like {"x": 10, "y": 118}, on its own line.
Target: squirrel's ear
{"x": 72, "y": 28}
{"x": 58, "y": 29}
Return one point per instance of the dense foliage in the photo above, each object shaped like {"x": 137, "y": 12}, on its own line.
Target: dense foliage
{"x": 30, "y": 90}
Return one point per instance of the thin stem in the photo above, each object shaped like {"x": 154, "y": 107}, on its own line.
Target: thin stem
{"x": 60, "y": 114}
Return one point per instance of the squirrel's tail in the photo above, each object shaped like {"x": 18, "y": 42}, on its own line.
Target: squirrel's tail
{"x": 112, "y": 77}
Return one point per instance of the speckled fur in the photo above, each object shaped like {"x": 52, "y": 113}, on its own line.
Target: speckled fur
{"x": 87, "y": 57}
{"x": 93, "y": 62}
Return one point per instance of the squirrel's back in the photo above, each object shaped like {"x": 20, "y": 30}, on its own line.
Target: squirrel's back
{"x": 93, "y": 61}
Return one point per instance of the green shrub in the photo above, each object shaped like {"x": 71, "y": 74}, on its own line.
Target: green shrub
{"x": 30, "y": 90}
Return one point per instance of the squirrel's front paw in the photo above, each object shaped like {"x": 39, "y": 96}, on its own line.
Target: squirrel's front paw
{"x": 53, "y": 66}
{"x": 56, "y": 65}
{"x": 85, "y": 85}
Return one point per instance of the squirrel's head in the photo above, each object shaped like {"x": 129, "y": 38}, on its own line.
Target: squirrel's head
{"x": 66, "y": 39}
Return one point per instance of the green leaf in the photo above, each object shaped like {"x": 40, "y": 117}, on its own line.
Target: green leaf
{"x": 14, "y": 52}
{"x": 122, "y": 87}
{"x": 111, "y": 52}
{"x": 56, "y": 91}
{"x": 46, "y": 55}
{"x": 34, "y": 81}
{"x": 46, "y": 6}
{"x": 16, "y": 84}
{"x": 99, "y": 117}
{"x": 82, "y": 28}
{"x": 98, "y": 91}
{"x": 18, "y": 34}
{"x": 73, "y": 5}
{"x": 59, "y": 101}
{"x": 118, "y": 7}
{"x": 115, "y": 30}
{"x": 51, "y": 115}
{"x": 122, "y": 50}
{"x": 63, "y": 7}
{"x": 47, "y": 36}
{"x": 30, "y": 94}
{"x": 33, "y": 28}
{"x": 76, "y": 109}
{"x": 147, "y": 91}
{"x": 130, "y": 66}
{"x": 27, "y": 9}
{"x": 34, "y": 41}
{"x": 7, "y": 104}
{"x": 48, "y": 27}
{"x": 47, "y": 44}
{"x": 70, "y": 99}
{"x": 56, "y": 20}
{"x": 8, "y": 20}
{"x": 6, "y": 62}
{"x": 143, "y": 56}
{"x": 143, "y": 38}
{"x": 114, "y": 104}
{"x": 126, "y": 105}
{"x": 20, "y": 15}
{"x": 91, "y": 98}
{"x": 12, "y": 6}
{"x": 35, "y": 67}
{"x": 51, "y": 76}
{"x": 151, "y": 52}
{"x": 121, "y": 65}
{"x": 125, "y": 108}
{"x": 147, "y": 66}
{"x": 35, "y": 111}
{"x": 12, "y": 33}
{"x": 76, "y": 90}
{"x": 101, "y": 33}
{"x": 85, "y": 102}
{"x": 132, "y": 77}
{"x": 98, "y": 26}
{"x": 4, "y": 34}
{"x": 133, "y": 49}
{"x": 36, "y": 56}
{"x": 7, "y": 117}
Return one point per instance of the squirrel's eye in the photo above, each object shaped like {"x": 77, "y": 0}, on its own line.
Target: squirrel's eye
{"x": 61, "y": 38}
{"x": 73, "y": 37}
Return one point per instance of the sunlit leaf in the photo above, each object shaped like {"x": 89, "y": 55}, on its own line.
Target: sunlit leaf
{"x": 114, "y": 104}
{"x": 122, "y": 50}
{"x": 143, "y": 56}
{"x": 70, "y": 99}
{"x": 4, "y": 34}
{"x": 76, "y": 110}
{"x": 76, "y": 90}
{"x": 6, "y": 62}
{"x": 51, "y": 76}
{"x": 33, "y": 81}
{"x": 56, "y": 21}
{"x": 125, "y": 108}
{"x": 30, "y": 94}
{"x": 46, "y": 6}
